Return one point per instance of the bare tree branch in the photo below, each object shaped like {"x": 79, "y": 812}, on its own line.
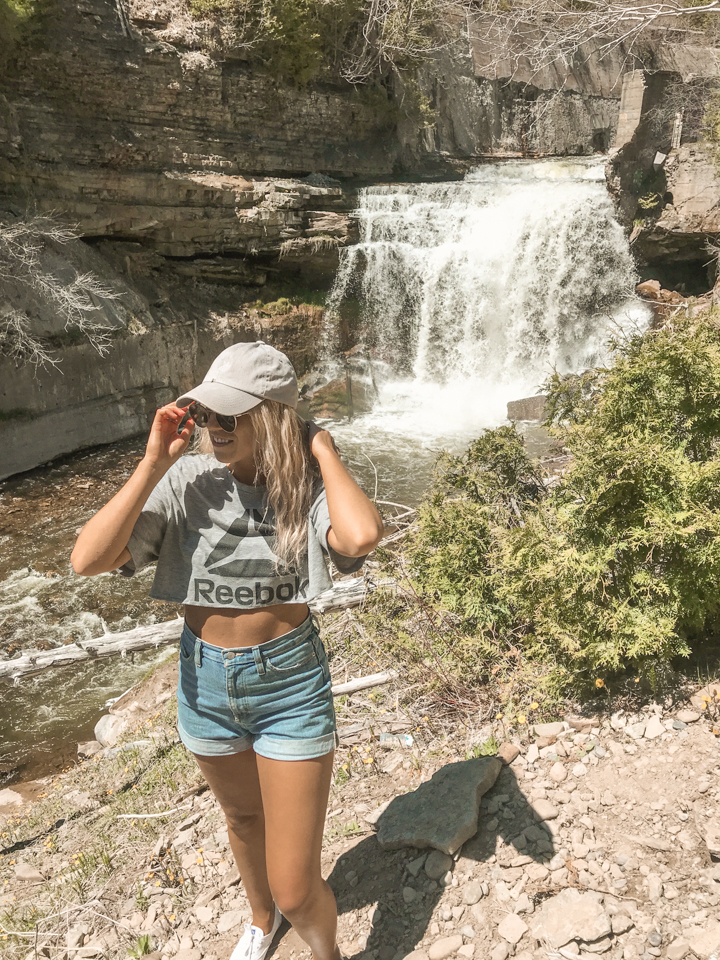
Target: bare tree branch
{"x": 77, "y": 302}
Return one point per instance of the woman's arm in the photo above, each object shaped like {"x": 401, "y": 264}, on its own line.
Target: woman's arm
{"x": 356, "y": 527}
{"x": 102, "y": 544}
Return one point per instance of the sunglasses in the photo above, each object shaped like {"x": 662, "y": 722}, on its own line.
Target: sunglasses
{"x": 201, "y": 415}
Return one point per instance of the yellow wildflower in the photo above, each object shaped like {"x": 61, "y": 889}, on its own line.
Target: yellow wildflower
{"x": 534, "y": 705}
{"x": 599, "y": 683}
{"x": 522, "y": 718}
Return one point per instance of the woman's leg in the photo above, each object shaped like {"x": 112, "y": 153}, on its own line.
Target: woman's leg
{"x": 294, "y": 798}
{"x": 234, "y": 781}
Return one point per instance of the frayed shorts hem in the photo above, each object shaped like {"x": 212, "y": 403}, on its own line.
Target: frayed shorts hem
{"x": 268, "y": 747}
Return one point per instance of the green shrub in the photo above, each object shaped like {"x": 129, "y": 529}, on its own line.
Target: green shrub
{"x": 613, "y": 569}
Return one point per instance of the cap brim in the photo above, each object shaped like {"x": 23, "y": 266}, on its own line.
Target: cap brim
{"x": 220, "y": 398}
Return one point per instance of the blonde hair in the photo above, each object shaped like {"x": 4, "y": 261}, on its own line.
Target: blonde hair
{"x": 290, "y": 472}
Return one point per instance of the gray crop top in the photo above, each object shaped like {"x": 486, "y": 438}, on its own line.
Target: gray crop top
{"x": 212, "y": 538}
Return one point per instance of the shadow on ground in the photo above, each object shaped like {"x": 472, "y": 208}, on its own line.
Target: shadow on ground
{"x": 367, "y": 875}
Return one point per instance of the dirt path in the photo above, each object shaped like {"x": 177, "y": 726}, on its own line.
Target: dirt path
{"x": 593, "y": 840}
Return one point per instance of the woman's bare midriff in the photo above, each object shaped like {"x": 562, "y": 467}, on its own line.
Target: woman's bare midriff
{"x": 244, "y": 628}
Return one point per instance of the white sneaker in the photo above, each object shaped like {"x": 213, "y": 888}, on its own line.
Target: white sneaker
{"x": 254, "y": 944}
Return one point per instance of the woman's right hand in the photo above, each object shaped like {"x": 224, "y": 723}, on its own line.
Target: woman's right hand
{"x": 165, "y": 445}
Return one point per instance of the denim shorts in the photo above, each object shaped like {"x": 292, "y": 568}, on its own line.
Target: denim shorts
{"x": 275, "y": 697}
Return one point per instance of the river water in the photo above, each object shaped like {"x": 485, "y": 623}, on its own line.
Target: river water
{"x": 464, "y": 295}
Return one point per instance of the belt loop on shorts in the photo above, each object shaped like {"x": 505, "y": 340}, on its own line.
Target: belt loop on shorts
{"x": 257, "y": 657}
{"x": 315, "y": 622}
{"x": 198, "y": 652}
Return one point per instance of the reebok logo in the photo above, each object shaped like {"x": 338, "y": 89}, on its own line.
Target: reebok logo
{"x": 208, "y": 592}
{"x": 222, "y": 560}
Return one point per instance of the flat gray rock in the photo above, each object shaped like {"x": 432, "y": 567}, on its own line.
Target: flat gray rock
{"x": 571, "y": 915}
{"x": 442, "y": 812}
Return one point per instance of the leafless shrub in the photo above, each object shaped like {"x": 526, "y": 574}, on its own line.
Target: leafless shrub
{"x": 76, "y": 302}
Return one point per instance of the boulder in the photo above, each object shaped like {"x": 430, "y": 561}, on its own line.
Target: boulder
{"x": 442, "y": 812}
{"x": 529, "y": 408}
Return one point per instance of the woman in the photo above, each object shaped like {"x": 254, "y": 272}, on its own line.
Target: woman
{"x": 239, "y": 538}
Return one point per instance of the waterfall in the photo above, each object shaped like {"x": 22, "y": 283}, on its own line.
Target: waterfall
{"x": 468, "y": 294}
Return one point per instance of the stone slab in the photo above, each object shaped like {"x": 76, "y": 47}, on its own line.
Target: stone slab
{"x": 571, "y": 915}
{"x": 442, "y": 812}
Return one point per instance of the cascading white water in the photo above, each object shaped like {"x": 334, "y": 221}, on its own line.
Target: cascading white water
{"x": 468, "y": 294}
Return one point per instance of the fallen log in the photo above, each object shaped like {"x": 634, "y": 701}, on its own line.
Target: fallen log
{"x": 362, "y": 683}
{"x": 345, "y": 593}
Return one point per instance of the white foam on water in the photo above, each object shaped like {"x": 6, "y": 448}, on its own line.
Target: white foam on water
{"x": 470, "y": 294}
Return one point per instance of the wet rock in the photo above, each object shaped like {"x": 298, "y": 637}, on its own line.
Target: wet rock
{"x": 442, "y": 812}
{"x": 437, "y": 864}
{"x": 445, "y": 947}
{"x": 89, "y": 748}
{"x": 529, "y": 408}
{"x": 571, "y": 915}
{"x": 508, "y": 752}
{"x": 28, "y": 873}
{"x": 512, "y": 928}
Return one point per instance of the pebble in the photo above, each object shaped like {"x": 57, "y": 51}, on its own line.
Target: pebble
{"x": 445, "y": 947}
{"x": 415, "y": 866}
{"x": 512, "y": 928}
{"x": 204, "y": 914}
{"x": 508, "y": 752}
{"x": 558, "y": 772}
{"x": 28, "y": 873}
{"x": 409, "y": 895}
{"x": 687, "y": 716}
{"x": 230, "y": 920}
{"x": 500, "y": 952}
{"x": 437, "y": 864}
{"x": 678, "y": 949}
{"x": 467, "y": 951}
{"x": 549, "y": 729}
{"x": 654, "y": 728}
{"x": 636, "y": 730}
{"x": 621, "y": 923}
{"x": 472, "y": 892}
{"x": 654, "y": 938}
{"x": 544, "y": 810}
{"x": 579, "y": 770}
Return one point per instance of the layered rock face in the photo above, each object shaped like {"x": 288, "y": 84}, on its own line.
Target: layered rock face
{"x": 665, "y": 178}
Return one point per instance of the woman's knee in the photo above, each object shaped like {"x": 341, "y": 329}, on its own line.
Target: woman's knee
{"x": 244, "y": 823}
{"x": 296, "y": 896}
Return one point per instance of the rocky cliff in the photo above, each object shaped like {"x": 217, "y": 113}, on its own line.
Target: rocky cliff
{"x": 201, "y": 186}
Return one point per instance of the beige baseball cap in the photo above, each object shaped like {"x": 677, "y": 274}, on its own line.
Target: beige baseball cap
{"x": 243, "y": 376}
